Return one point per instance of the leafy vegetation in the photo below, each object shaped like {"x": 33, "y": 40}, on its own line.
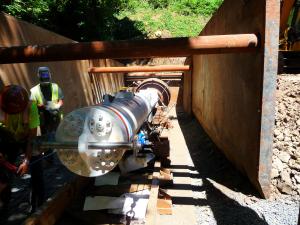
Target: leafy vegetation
{"x": 87, "y": 20}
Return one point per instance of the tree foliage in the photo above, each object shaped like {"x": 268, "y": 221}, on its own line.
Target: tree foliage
{"x": 88, "y": 20}
{"x": 81, "y": 20}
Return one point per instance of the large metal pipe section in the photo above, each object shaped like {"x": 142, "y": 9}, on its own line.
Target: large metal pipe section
{"x": 116, "y": 120}
{"x": 129, "y": 69}
{"x": 169, "y": 47}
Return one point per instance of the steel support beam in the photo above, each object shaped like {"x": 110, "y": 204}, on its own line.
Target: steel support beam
{"x": 130, "y": 69}
{"x": 169, "y": 47}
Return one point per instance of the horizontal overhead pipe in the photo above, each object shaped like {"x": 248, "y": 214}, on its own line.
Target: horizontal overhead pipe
{"x": 169, "y": 47}
{"x": 154, "y": 75}
{"x": 129, "y": 69}
{"x": 162, "y": 78}
{"x": 134, "y": 77}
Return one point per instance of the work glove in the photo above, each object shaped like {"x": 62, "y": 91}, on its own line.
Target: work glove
{"x": 23, "y": 168}
{"x": 52, "y": 106}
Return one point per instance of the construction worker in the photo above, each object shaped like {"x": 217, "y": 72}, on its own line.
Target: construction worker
{"x": 49, "y": 99}
{"x": 19, "y": 116}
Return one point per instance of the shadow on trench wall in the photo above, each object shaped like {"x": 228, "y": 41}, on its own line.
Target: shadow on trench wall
{"x": 212, "y": 167}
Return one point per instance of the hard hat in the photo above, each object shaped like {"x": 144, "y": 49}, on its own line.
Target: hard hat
{"x": 13, "y": 99}
{"x": 44, "y": 74}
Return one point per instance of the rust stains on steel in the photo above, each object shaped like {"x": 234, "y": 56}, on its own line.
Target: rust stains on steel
{"x": 128, "y": 69}
{"x": 169, "y": 47}
{"x": 268, "y": 95}
{"x": 241, "y": 125}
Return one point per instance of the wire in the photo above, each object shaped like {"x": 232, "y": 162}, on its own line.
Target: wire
{"x": 41, "y": 158}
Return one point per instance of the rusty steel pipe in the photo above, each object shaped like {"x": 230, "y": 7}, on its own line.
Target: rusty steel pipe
{"x": 154, "y": 75}
{"x": 169, "y": 47}
{"x": 129, "y": 69}
{"x": 146, "y": 77}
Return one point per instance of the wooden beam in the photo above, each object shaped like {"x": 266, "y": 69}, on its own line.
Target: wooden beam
{"x": 152, "y": 204}
{"x": 168, "y": 47}
{"x": 117, "y": 190}
{"x": 129, "y": 69}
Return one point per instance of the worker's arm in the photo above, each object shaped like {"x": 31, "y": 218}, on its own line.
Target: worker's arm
{"x": 33, "y": 124}
{"x": 60, "y": 97}
{"x": 23, "y": 168}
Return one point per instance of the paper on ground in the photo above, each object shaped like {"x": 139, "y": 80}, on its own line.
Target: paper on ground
{"x": 132, "y": 162}
{"x": 135, "y": 204}
{"x": 111, "y": 178}
{"x": 103, "y": 202}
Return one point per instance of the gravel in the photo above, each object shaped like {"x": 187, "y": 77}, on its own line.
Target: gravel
{"x": 286, "y": 152}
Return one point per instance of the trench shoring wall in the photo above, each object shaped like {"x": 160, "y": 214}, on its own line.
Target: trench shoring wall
{"x": 72, "y": 76}
{"x": 233, "y": 94}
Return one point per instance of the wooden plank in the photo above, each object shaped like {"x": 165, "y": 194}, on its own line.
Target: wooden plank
{"x": 117, "y": 190}
{"x": 164, "y": 203}
{"x": 187, "y": 89}
{"x": 152, "y": 204}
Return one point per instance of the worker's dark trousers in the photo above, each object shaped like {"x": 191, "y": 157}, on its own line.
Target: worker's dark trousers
{"x": 49, "y": 124}
{"x": 37, "y": 182}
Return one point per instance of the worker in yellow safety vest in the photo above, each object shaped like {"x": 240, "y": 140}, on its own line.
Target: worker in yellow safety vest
{"x": 20, "y": 121}
{"x": 49, "y": 99}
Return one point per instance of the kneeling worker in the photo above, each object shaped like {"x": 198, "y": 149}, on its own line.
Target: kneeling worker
{"x": 20, "y": 117}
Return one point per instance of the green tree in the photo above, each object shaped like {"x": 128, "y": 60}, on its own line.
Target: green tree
{"x": 81, "y": 20}
{"x": 88, "y": 20}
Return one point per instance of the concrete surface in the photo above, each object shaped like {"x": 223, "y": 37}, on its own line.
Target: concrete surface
{"x": 208, "y": 190}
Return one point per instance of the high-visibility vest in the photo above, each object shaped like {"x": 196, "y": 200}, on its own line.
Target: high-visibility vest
{"x": 15, "y": 123}
{"x": 38, "y": 95}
